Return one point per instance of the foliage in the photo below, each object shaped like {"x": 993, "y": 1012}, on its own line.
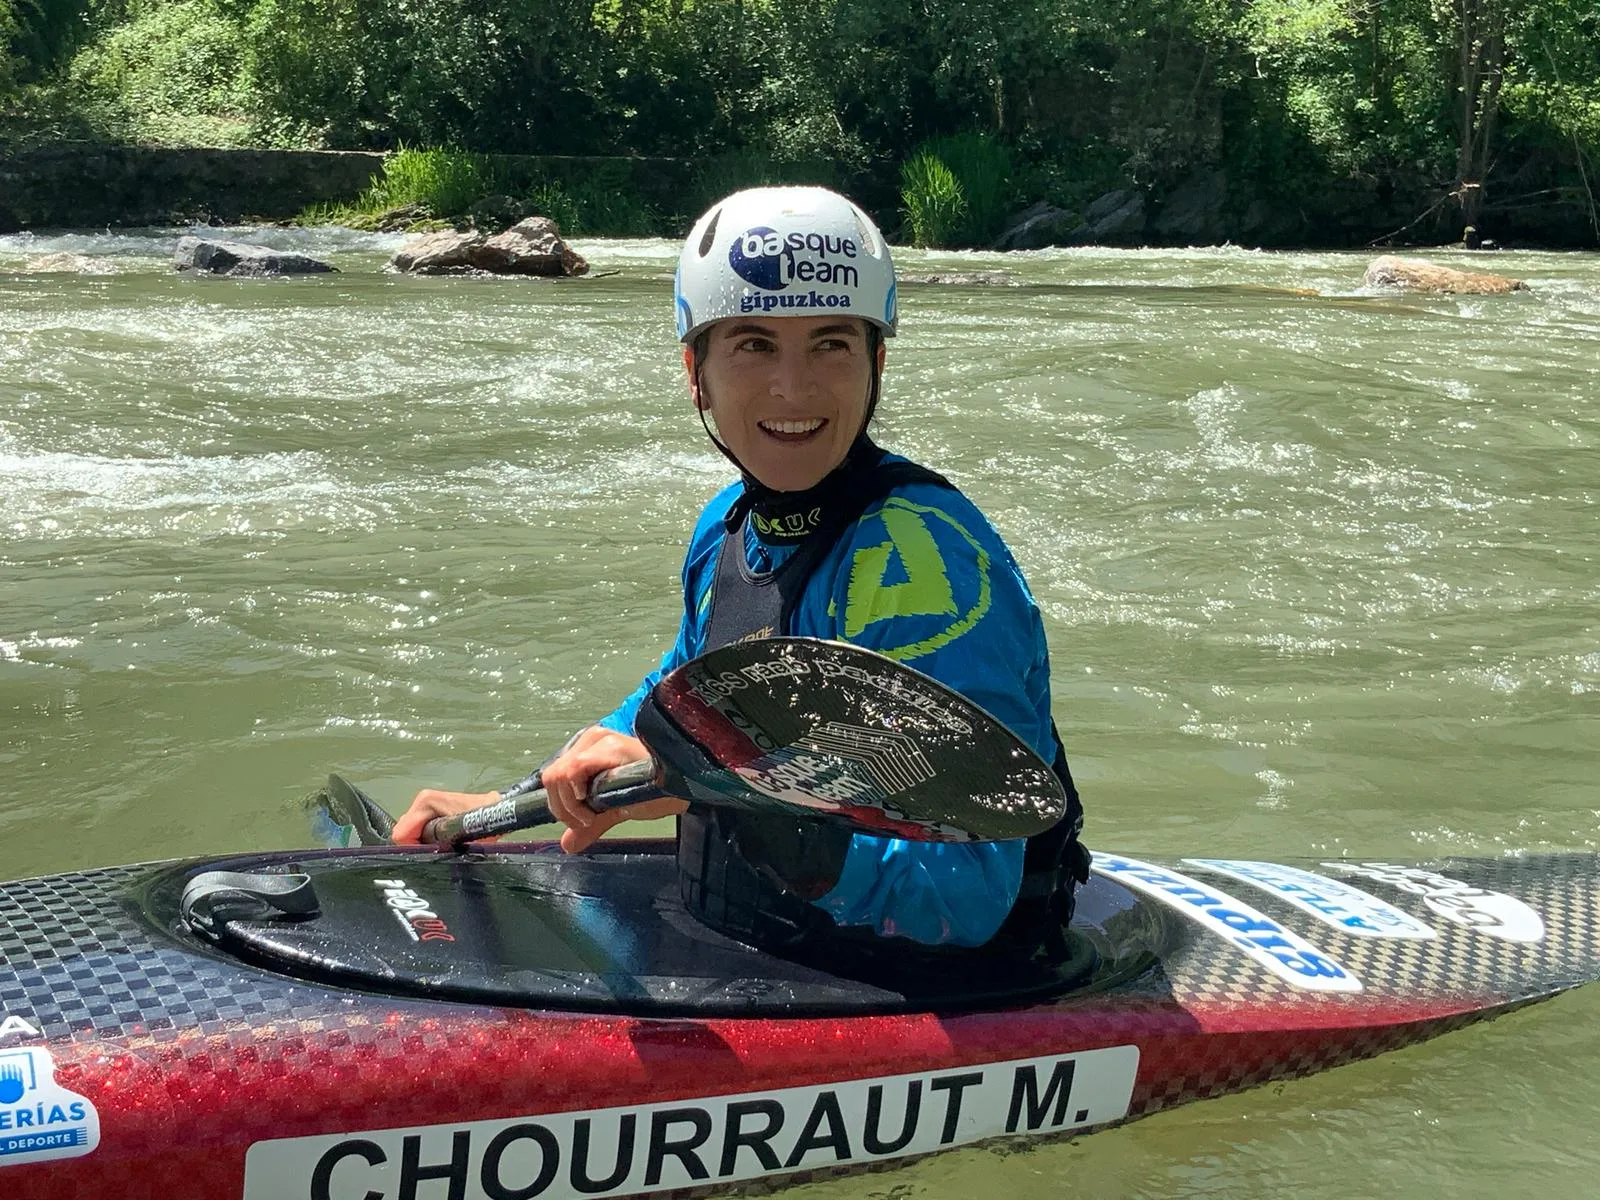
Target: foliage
{"x": 604, "y": 208}
{"x": 935, "y": 204}
{"x": 982, "y": 166}
{"x": 447, "y": 181}
{"x": 512, "y": 75}
{"x": 1020, "y": 100}
{"x": 441, "y": 186}
{"x": 169, "y": 76}
{"x": 43, "y": 34}
{"x": 10, "y": 61}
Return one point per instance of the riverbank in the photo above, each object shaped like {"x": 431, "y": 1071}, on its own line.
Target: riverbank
{"x": 97, "y": 187}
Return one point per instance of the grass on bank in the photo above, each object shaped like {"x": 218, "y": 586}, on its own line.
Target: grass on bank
{"x": 441, "y": 187}
{"x": 955, "y": 191}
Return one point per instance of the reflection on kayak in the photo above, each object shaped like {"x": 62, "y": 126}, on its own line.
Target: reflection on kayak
{"x": 379, "y": 1022}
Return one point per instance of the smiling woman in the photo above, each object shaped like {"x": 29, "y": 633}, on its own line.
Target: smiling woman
{"x": 826, "y": 535}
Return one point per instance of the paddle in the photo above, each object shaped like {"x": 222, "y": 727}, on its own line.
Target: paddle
{"x": 817, "y": 729}
{"x": 341, "y": 814}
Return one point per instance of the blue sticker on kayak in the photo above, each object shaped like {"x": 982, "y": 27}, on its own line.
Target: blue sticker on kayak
{"x": 1282, "y": 951}
{"x": 39, "y": 1119}
{"x": 1331, "y": 901}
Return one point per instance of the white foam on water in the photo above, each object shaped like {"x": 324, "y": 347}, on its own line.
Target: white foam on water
{"x": 58, "y": 494}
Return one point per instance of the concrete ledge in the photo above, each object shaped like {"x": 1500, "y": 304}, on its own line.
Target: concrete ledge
{"x": 95, "y": 186}
{"x": 91, "y": 187}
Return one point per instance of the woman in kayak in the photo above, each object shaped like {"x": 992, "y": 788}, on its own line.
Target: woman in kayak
{"x": 784, "y": 299}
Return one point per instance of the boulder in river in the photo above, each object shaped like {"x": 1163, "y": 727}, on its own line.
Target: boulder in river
{"x": 1193, "y": 213}
{"x": 1116, "y": 218}
{"x": 530, "y": 247}
{"x": 242, "y": 258}
{"x": 1416, "y": 275}
{"x": 1037, "y": 227}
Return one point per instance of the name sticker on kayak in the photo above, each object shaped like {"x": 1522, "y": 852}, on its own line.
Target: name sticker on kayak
{"x": 689, "y": 1143}
{"x": 1493, "y": 913}
{"x": 1282, "y": 951}
{"x": 1331, "y": 901}
{"x": 39, "y": 1119}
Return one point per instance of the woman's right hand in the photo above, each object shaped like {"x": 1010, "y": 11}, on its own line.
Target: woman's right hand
{"x": 568, "y": 779}
{"x": 430, "y": 803}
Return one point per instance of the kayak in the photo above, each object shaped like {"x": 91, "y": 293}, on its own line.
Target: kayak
{"x": 378, "y": 1023}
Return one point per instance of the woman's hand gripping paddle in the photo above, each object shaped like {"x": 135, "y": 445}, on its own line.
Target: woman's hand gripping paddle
{"x": 817, "y": 729}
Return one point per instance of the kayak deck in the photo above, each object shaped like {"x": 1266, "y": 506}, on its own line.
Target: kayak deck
{"x": 206, "y": 1076}
{"x": 606, "y": 934}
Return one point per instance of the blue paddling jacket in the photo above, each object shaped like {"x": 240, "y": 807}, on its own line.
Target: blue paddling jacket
{"x": 921, "y": 577}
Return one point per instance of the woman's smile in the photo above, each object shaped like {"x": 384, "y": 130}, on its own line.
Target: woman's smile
{"x": 792, "y": 431}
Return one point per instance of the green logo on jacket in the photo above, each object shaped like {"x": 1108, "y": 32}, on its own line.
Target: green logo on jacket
{"x": 906, "y": 577}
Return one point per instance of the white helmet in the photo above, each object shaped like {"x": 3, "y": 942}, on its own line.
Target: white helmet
{"x": 788, "y": 251}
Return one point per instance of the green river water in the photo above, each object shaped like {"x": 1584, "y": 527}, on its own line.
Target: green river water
{"x": 1319, "y": 574}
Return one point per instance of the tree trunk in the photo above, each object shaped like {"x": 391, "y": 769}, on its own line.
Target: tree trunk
{"x": 1480, "y": 69}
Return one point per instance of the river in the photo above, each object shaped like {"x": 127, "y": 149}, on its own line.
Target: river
{"x": 1319, "y": 573}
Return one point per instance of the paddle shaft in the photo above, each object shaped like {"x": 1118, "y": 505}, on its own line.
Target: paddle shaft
{"x": 632, "y": 783}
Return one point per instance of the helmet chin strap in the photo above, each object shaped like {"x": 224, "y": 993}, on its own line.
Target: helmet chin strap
{"x": 751, "y": 483}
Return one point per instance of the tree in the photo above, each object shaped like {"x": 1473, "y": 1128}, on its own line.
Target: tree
{"x": 8, "y": 61}
{"x": 1478, "y": 29}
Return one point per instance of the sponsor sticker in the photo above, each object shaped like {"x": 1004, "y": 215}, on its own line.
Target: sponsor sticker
{"x": 1282, "y": 951}
{"x": 416, "y": 915}
{"x": 813, "y": 780}
{"x": 39, "y": 1119}
{"x": 1345, "y": 908}
{"x": 1492, "y": 913}
{"x": 691, "y": 1143}
{"x": 774, "y": 262}
{"x": 840, "y": 764}
{"x": 489, "y": 819}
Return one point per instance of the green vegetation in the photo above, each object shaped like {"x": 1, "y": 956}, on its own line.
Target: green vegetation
{"x": 935, "y": 203}
{"x": 444, "y": 181}
{"x": 437, "y": 187}
{"x": 1446, "y": 111}
{"x": 956, "y": 191}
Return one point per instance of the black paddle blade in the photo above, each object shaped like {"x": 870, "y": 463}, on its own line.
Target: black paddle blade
{"x": 341, "y": 814}
{"x": 829, "y": 730}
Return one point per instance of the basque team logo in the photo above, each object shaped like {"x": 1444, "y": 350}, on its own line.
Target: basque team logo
{"x": 751, "y": 262}
{"x": 772, "y": 261}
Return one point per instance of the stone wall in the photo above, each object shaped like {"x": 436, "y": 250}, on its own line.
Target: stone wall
{"x": 91, "y": 187}
{"x": 79, "y": 187}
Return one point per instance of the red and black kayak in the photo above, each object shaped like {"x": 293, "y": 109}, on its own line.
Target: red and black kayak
{"x": 396, "y": 1024}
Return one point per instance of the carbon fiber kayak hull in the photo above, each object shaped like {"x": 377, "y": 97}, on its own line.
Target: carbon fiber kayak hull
{"x": 137, "y": 1060}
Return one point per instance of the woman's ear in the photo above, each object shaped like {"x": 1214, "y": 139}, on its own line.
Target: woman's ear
{"x": 694, "y": 382}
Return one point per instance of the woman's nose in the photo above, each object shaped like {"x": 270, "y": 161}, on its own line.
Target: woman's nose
{"x": 791, "y": 379}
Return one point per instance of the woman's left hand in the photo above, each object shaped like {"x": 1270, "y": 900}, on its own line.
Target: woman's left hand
{"x": 567, "y": 781}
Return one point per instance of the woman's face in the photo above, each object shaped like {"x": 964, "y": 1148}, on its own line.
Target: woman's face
{"x": 788, "y": 394}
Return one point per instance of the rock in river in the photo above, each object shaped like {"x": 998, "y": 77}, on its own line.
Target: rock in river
{"x": 1416, "y": 275}
{"x": 242, "y": 258}
{"x": 530, "y": 247}
{"x": 1037, "y": 227}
